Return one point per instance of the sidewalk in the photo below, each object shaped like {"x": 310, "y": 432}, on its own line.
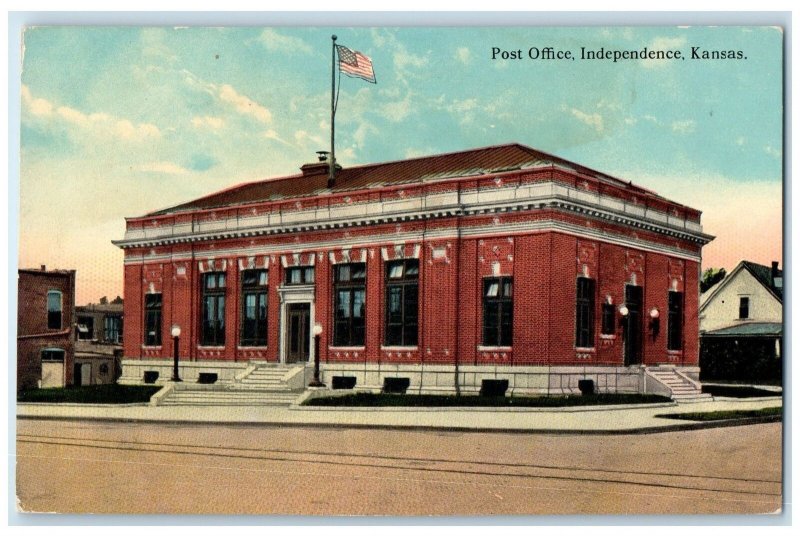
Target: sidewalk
{"x": 612, "y": 419}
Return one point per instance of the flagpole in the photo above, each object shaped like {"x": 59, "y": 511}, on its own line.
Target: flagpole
{"x": 332, "y": 165}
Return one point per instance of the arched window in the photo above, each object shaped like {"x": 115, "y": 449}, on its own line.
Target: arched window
{"x": 54, "y": 310}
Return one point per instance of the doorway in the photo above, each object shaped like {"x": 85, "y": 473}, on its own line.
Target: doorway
{"x": 82, "y": 374}
{"x": 298, "y": 332}
{"x": 632, "y": 331}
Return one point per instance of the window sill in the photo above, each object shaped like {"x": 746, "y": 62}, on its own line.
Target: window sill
{"x": 347, "y": 349}
{"x": 674, "y": 351}
{"x": 585, "y": 349}
{"x": 489, "y": 348}
{"x": 210, "y": 347}
{"x": 242, "y": 348}
{"x": 400, "y": 348}
{"x": 608, "y": 336}
{"x": 152, "y": 347}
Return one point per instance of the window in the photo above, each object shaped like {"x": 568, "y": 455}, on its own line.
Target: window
{"x": 675, "y": 322}
{"x": 85, "y": 328}
{"x": 584, "y": 313}
{"x": 348, "y": 295}
{"x": 498, "y": 307}
{"x": 152, "y": 319}
{"x": 53, "y": 355}
{"x": 299, "y": 275}
{"x": 607, "y": 321}
{"x": 402, "y": 289}
{"x": 254, "y": 308}
{"x": 213, "y": 328}
{"x": 112, "y": 329}
{"x": 744, "y": 307}
{"x": 54, "y": 310}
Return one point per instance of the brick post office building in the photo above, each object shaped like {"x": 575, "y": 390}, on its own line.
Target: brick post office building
{"x": 501, "y": 263}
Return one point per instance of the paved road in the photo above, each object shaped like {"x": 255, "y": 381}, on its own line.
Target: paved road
{"x": 83, "y": 467}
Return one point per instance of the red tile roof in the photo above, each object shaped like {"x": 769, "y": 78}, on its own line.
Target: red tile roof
{"x": 472, "y": 162}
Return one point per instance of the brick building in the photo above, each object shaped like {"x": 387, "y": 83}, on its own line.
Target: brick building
{"x": 495, "y": 263}
{"x": 45, "y": 317}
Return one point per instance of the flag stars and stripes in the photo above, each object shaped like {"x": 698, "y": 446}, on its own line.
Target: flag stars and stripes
{"x": 354, "y": 64}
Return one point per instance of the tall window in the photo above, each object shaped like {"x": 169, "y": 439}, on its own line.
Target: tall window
{"x": 213, "y": 329}
{"x": 744, "y": 307}
{"x": 584, "y": 313}
{"x": 112, "y": 327}
{"x": 348, "y": 295}
{"x": 607, "y": 321}
{"x": 54, "y": 310}
{"x": 402, "y": 291}
{"x": 152, "y": 319}
{"x": 254, "y": 308}
{"x": 498, "y": 308}
{"x": 299, "y": 275}
{"x": 675, "y": 322}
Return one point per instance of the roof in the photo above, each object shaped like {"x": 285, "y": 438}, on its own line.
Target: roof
{"x": 100, "y": 308}
{"x": 747, "y": 330}
{"x": 764, "y": 276}
{"x": 473, "y": 162}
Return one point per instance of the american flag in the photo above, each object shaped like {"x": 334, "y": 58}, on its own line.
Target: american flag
{"x": 354, "y": 64}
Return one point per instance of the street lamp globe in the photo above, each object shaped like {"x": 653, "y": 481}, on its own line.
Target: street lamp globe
{"x": 623, "y": 310}
{"x": 317, "y": 329}
{"x": 176, "y": 330}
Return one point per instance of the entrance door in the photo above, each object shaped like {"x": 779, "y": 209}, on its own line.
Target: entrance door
{"x": 632, "y": 331}
{"x": 299, "y": 329}
{"x": 82, "y": 374}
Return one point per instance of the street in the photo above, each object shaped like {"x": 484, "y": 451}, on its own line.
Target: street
{"x": 94, "y": 467}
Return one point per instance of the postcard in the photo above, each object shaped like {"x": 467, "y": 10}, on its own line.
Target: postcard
{"x": 404, "y": 271}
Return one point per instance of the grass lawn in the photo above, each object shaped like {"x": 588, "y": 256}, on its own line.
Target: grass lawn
{"x": 737, "y": 391}
{"x": 101, "y": 393}
{"x": 725, "y": 414}
{"x": 387, "y": 400}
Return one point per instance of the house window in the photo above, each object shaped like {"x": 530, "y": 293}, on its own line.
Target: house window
{"x": 402, "y": 291}
{"x": 54, "y": 310}
{"x": 85, "y": 328}
{"x": 152, "y": 319}
{"x": 254, "y": 308}
{"x": 348, "y": 295}
{"x": 675, "y": 322}
{"x": 53, "y": 355}
{"x": 584, "y": 313}
{"x": 498, "y": 307}
{"x": 607, "y": 320}
{"x": 112, "y": 329}
{"x": 744, "y": 307}
{"x": 213, "y": 328}
{"x": 299, "y": 275}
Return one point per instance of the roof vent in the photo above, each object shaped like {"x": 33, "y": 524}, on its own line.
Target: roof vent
{"x": 323, "y": 155}
{"x": 777, "y": 279}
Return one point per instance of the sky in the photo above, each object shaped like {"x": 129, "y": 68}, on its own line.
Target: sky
{"x": 121, "y": 121}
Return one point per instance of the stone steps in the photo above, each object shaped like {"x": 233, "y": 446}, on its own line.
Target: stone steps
{"x": 681, "y": 390}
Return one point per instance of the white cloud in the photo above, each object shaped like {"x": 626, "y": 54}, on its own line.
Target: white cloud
{"x": 684, "y": 126}
{"x": 303, "y": 137}
{"x": 771, "y": 151}
{"x": 96, "y": 124}
{"x": 208, "y": 122}
{"x": 273, "y": 135}
{"x": 463, "y": 55}
{"x": 275, "y": 42}
{"x": 244, "y": 105}
{"x": 169, "y": 168}
{"x": 593, "y": 120}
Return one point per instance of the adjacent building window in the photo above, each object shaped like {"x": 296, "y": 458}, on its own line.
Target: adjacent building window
{"x": 53, "y": 355}
{"x": 744, "y": 307}
{"x": 152, "y": 319}
{"x": 213, "y": 328}
{"x": 402, "y": 291}
{"x": 584, "y": 313}
{"x": 85, "y": 328}
{"x": 299, "y": 275}
{"x": 349, "y": 292}
{"x": 607, "y": 320}
{"x": 254, "y": 308}
{"x": 675, "y": 322}
{"x": 498, "y": 308}
{"x": 54, "y": 310}
{"x": 112, "y": 329}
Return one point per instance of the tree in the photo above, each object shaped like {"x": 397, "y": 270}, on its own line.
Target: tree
{"x": 103, "y": 300}
{"x": 710, "y": 277}
{"x": 117, "y": 300}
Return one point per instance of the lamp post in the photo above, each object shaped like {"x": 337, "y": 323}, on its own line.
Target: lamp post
{"x": 316, "y": 383}
{"x": 176, "y": 336}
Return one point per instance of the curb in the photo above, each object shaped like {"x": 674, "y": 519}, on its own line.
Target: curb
{"x": 673, "y": 427}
